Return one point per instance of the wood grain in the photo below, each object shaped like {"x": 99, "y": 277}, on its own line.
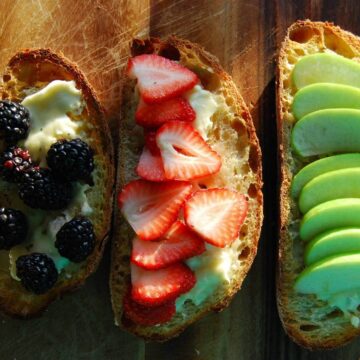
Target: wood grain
{"x": 244, "y": 35}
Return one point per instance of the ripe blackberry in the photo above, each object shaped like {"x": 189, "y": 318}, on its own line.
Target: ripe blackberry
{"x": 14, "y": 121}
{"x": 76, "y": 239}
{"x": 40, "y": 189}
{"x": 13, "y": 228}
{"x": 37, "y": 272}
{"x": 71, "y": 159}
{"x": 14, "y": 162}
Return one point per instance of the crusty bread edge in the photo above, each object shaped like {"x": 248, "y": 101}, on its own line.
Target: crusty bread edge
{"x": 293, "y": 332}
{"x": 97, "y": 112}
{"x": 154, "y": 44}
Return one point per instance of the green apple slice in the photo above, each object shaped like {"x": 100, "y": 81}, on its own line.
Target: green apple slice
{"x": 321, "y": 166}
{"x": 325, "y": 96}
{"x": 326, "y": 68}
{"x": 327, "y": 131}
{"x": 330, "y": 276}
{"x": 332, "y": 185}
{"x": 333, "y": 242}
{"x": 330, "y": 215}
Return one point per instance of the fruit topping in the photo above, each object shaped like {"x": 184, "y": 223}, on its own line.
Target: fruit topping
{"x": 76, "y": 239}
{"x": 151, "y": 208}
{"x": 150, "y": 166}
{"x": 156, "y": 287}
{"x": 177, "y": 109}
{"x": 13, "y": 228}
{"x": 185, "y": 154}
{"x": 37, "y": 272}
{"x": 179, "y": 243}
{"x": 150, "y": 141}
{"x": 160, "y": 79}
{"x": 71, "y": 160}
{"x": 13, "y": 163}
{"x": 40, "y": 189}
{"x": 216, "y": 215}
{"x": 327, "y": 131}
{"x": 14, "y": 121}
{"x": 148, "y": 316}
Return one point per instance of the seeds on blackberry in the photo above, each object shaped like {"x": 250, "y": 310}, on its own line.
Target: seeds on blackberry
{"x": 14, "y": 121}
{"x": 13, "y": 228}
{"x": 71, "y": 159}
{"x": 76, "y": 239}
{"x": 14, "y": 162}
{"x": 40, "y": 189}
{"x": 37, "y": 272}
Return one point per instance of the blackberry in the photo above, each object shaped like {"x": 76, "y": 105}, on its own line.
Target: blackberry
{"x": 37, "y": 272}
{"x": 14, "y": 162}
{"x": 14, "y": 121}
{"x": 76, "y": 239}
{"x": 40, "y": 189}
{"x": 71, "y": 159}
{"x": 13, "y": 228}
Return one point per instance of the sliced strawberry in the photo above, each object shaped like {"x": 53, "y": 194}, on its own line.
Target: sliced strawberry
{"x": 179, "y": 243}
{"x": 148, "y": 316}
{"x": 155, "y": 115}
{"x": 150, "y": 141}
{"x": 160, "y": 79}
{"x": 151, "y": 208}
{"x": 216, "y": 215}
{"x": 150, "y": 166}
{"x": 185, "y": 153}
{"x": 156, "y": 287}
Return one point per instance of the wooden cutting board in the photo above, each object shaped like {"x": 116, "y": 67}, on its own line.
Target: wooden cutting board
{"x": 244, "y": 35}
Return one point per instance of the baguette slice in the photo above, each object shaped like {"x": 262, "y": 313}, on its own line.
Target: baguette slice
{"x": 309, "y": 322}
{"x": 233, "y": 137}
{"x": 33, "y": 70}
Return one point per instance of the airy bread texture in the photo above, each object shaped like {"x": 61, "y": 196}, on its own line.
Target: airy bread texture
{"x": 233, "y": 137}
{"x": 31, "y": 70}
{"x": 308, "y": 321}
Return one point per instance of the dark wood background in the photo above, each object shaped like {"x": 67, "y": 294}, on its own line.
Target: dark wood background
{"x": 244, "y": 35}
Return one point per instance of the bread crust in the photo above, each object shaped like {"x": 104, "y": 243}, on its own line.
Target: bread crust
{"x": 305, "y": 328}
{"x": 175, "y": 48}
{"x": 36, "y": 68}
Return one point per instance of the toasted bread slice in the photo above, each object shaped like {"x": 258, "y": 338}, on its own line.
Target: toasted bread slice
{"x": 309, "y": 322}
{"x": 31, "y": 70}
{"x": 233, "y": 137}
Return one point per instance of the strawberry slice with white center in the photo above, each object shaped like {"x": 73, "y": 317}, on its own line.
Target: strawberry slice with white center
{"x": 148, "y": 316}
{"x": 151, "y": 208}
{"x": 185, "y": 154}
{"x": 150, "y": 166}
{"x": 216, "y": 215}
{"x": 154, "y": 115}
{"x": 160, "y": 79}
{"x": 156, "y": 287}
{"x": 179, "y": 243}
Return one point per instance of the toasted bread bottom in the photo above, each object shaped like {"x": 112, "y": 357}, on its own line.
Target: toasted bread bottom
{"x": 233, "y": 137}
{"x": 34, "y": 70}
{"x": 308, "y": 321}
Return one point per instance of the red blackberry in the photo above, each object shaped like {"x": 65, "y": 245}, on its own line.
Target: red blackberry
{"x": 76, "y": 239}
{"x": 71, "y": 159}
{"x": 14, "y": 121}
{"x": 37, "y": 272}
{"x": 14, "y": 162}
{"x": 13, "y": 228}
{"x": 40, "y": 189}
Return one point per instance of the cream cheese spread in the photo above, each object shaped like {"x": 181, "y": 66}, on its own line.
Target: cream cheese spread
{"x": 50, "y": 113}
{"x": 50, "y": 121}
{"x": 213, "y": 268}
{"x": 205, "y": 105}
